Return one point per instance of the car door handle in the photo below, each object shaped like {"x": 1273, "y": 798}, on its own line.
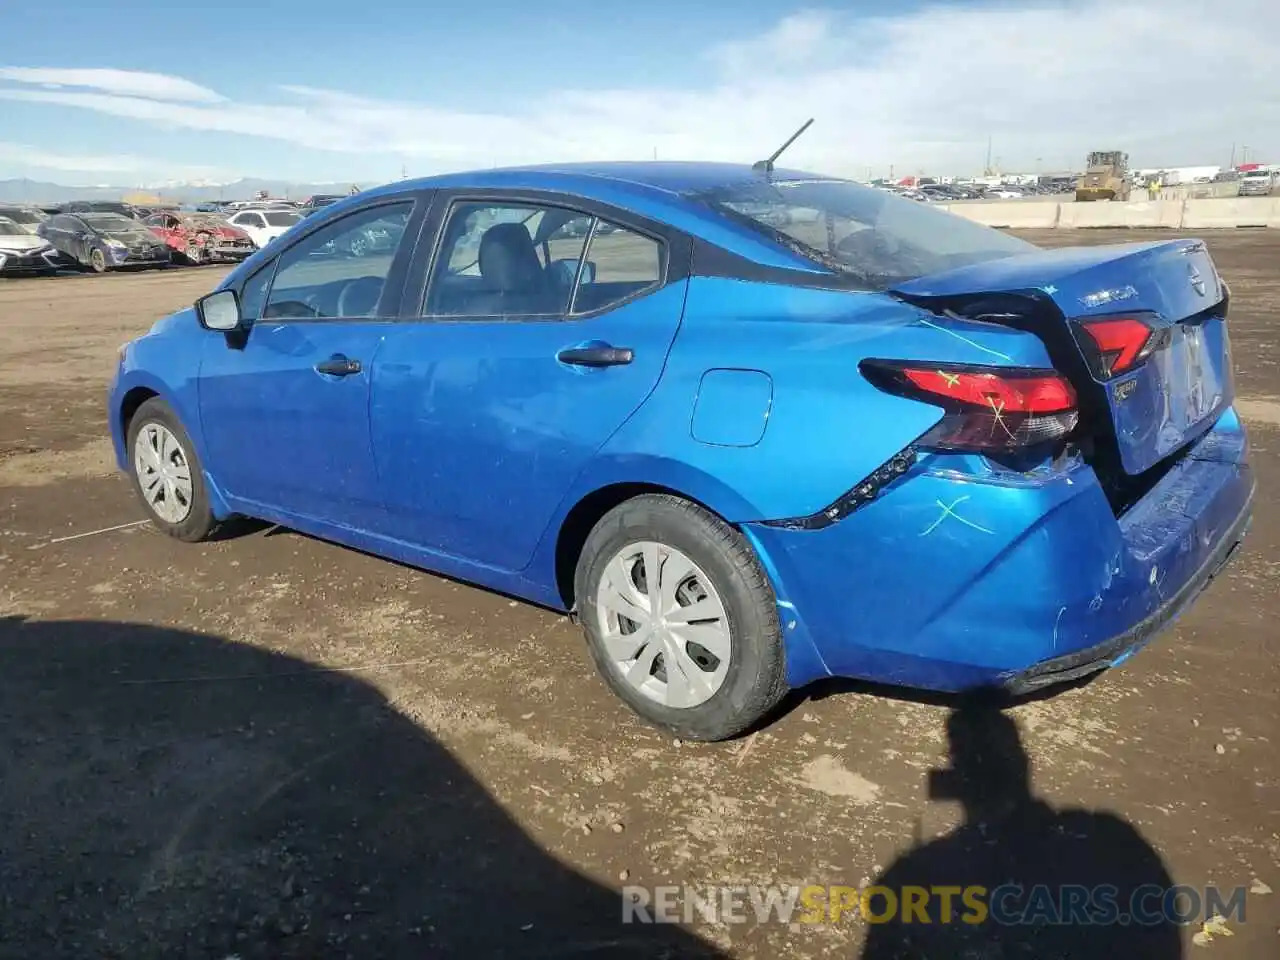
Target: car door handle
{"x": 603, "y": 356}
{"x": 338, "y": 366}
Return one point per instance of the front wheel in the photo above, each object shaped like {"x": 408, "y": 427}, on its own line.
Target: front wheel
{"x": 166, "y": 473}
{"x": 680, "y": 618}
{"x": 97, "y": 261}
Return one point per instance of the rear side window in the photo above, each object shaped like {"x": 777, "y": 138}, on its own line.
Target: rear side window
{"x": 507, "y": 261}
{"x": 621, "y": 264}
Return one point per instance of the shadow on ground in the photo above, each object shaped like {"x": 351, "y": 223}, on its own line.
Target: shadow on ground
{"x": 171, "y": 794}
{"x": 1058, "y": 883}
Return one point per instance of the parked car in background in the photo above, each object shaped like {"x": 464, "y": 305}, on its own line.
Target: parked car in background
{"x": 263, "y": 226}
{"x": 24, "y": 252}
{"x": 105, "y": 241}
{"x": 318, "y": 202}
{"x": 28, "y": 218}
{"x": 750, "y": 447}
{"x": 1256, "y": 183}
{"x": 201, "y": 237}
{"x": 100, "y": 206}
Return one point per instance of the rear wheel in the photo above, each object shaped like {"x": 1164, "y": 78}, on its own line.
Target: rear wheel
{"x": 97, "y": 261}
{"x": 166, "y": 473}
{"x": 680, "y": 618}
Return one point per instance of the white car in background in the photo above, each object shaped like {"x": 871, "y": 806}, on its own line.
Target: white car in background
{"x": 23, "y": 252}
{"x": 263, "y": 226}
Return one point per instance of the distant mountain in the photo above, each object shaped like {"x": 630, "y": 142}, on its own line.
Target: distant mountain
{"x": 41, "y": 192}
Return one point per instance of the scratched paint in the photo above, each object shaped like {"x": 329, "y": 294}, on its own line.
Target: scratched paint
{"x": 963, "y": 339}
{"x": 949, "y": 510}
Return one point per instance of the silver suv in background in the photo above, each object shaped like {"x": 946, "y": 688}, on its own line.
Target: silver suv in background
{"x": 1257, "y": 183}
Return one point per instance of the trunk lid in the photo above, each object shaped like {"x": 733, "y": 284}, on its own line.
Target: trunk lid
{"x": 1164, "y": 401}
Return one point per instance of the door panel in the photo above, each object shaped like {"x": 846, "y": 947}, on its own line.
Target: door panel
{"x": 280, "y": 434}
{"x": 479, "y": 430}
{"x": 285, "y": 416}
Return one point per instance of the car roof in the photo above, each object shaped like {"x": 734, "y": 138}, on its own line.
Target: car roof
{"x": 658, "y": 190}
{"x": 673, "y": 177}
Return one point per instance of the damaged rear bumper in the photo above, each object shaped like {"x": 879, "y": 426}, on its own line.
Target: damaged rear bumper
{"x": 1115, "y": 651}
{"x": 953, "y": 580}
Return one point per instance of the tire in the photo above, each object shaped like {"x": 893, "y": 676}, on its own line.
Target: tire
{"x": 755, "y": 677}
{"x": 97, "y": 261}
{"x": 197, "y": 522}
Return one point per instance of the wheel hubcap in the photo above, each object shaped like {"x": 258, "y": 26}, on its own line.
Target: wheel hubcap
{"x": 664, "y": 626}
{"x": 163, "y": 472}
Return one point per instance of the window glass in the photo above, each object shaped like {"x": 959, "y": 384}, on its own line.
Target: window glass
{"x": 870, "y": 237}
{"x": 624, "y": 263}
{"x": 507, "y": 260}
{"x": 339, "y": 270}
{"x": 253, "y": 293}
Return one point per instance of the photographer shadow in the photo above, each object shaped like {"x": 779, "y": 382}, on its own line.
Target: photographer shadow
{"x": 1058, "y": 883}
{"x": 165, "y": 793}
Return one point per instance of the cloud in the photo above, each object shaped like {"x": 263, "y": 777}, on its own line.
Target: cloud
{"x": 156, "y": 86}
{"x": 25, "y": 155}
{"x": 1163, "y": 79}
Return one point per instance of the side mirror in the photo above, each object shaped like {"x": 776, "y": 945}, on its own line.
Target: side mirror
{"x": 566, "y": 269}
{"x": 220, "y": 311}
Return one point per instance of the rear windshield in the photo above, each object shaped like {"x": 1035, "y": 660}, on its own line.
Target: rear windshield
{"x": 873, "y": 239}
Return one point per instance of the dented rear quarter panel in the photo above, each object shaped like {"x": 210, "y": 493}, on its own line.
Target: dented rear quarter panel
{"x": 826, "y": 427}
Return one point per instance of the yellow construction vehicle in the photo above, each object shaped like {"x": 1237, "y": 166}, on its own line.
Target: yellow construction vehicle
{"x": 1106, "y": 177}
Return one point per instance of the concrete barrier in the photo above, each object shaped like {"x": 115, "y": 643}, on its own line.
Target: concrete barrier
{"x": 1273, "y": 218}
{"x": 1166, "y": 214}
{"x": 1011, "y": 214}
{"x": 1237, "y": 212}
{"x": 1211, "y": 214}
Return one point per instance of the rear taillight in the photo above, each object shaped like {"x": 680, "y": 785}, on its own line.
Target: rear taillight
{"x": 987, "y": 408}
{"x": 1114, "y": 345}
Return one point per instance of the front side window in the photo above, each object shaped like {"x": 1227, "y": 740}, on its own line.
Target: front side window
{"x": 508, "y": 260}
{"x": 253, "y": 292}
{"x": 870, "y": 238}
{"x": 340, "y": 270}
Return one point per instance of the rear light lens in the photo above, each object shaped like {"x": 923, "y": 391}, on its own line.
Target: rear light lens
{"x": 1116, "y": 344}
{"x": 987, "y": 409}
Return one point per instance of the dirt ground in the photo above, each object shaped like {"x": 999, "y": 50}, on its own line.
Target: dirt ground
{"x": 270, "y": 746}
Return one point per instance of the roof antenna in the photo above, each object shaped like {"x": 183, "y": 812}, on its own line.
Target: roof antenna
{"x": 767, "y": 165}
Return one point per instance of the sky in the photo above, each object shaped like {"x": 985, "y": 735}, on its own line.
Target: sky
{"x": 140, "y": 92}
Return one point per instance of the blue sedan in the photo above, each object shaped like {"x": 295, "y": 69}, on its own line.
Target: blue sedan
{"x": 754, "y": 427}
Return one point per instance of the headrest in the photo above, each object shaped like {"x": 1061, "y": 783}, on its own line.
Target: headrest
{"x": 508, "y": 260}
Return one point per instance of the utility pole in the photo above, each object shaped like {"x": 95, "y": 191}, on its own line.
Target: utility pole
{"x": 987, "y": 170}
{"x": 1232, "y": 164}
{"x": 1244, "y": 155}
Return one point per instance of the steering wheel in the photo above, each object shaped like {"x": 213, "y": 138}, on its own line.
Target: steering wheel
{"x": 359, "y": 297}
